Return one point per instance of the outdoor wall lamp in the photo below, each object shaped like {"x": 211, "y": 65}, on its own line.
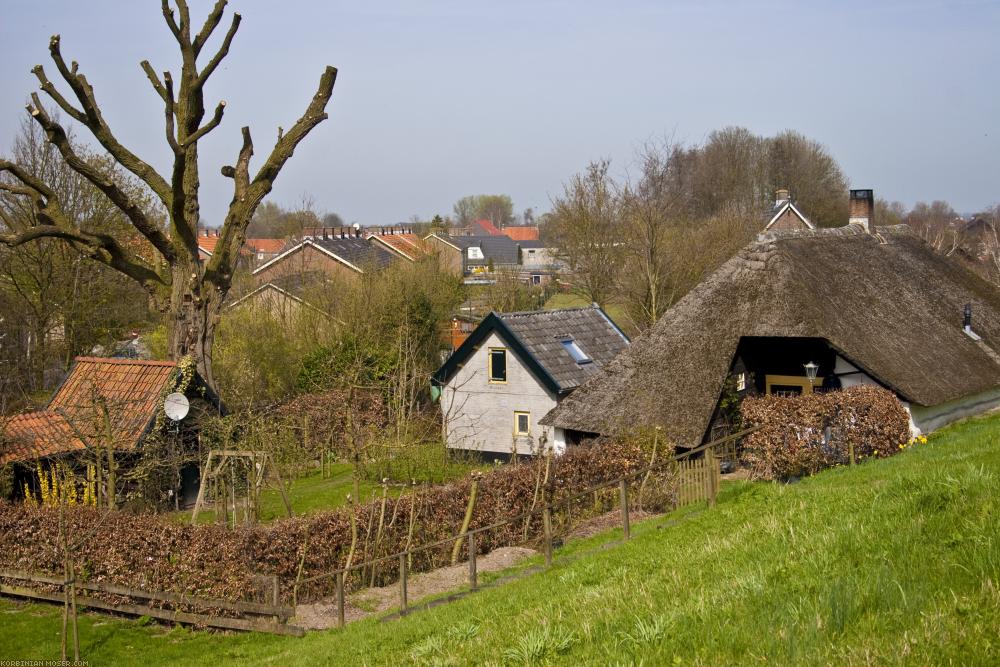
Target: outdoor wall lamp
{"x": 811, "y": 369}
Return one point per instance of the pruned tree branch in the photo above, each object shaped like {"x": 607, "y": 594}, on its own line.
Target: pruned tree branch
{"x": 56, "y": 224}
{"x": 223, "y": 51}
{"x": 94, "y": 121}
{"x": 168, "y": 112}
{"x": 168, "y": 14}
{"x": 153, "y": 79}
{"x": 57, "y": 137}
{"x": 207, "y": 127}
{"x": 247, "y": 194}
{"x": 211, "y": 23}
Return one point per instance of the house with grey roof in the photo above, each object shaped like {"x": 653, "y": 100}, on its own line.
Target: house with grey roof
{"x": 513, "y": 369}
{"x": 336, "y": 253}
{"x": 476, "y": 255}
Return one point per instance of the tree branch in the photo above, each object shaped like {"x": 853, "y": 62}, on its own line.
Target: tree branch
{"x": 285, "y": 146}
{"x": 168, "y": 14}
{"x": 153, "y": 79}
{"x": 168, "y": 112}
{"x": 211, "y": 23}
{"x": 56, "y": 224}
{"x": 207, "y": 127}
{"x": 94, "y": 121}
{"x": 57, "y": 137}
{"x": 221, "y": 53}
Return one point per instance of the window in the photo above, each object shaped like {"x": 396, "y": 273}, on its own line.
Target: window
{"x": 522, "y": 423}
{"x": 579, "y": 356}
{"x": 741, "y": 381}
{"x": 498, "y": 364}
{"x": 536, "y": 279}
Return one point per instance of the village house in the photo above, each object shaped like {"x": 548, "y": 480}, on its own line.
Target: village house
{"x": 335, "y": 252}
{"x": 110, "y": 401}
{"x": 400, "y": 241}
{"x": 514, "y": 368}
{"x": 253, "y": 253}
{"x": 785, "y": 215}
{"x": 475, "y": 255}
{"x": 800, "y": 311}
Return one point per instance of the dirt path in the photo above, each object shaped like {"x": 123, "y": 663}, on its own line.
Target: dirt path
{"x": 369, "y": 601}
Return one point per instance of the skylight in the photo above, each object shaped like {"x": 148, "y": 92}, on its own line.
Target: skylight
{"x": 579, "y": 356}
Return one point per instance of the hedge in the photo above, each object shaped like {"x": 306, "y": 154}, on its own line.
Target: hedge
{"x": 800, "y": 435}
{"x": 152, "y": 553}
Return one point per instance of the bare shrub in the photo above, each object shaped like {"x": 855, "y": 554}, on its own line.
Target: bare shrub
{"x": 801, "y": 435}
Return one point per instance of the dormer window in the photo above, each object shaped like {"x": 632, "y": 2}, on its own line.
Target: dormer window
{"x": 579, "y": 356}
{"x": 498, "y": 365}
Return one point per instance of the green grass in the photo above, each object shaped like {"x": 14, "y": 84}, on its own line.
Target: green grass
{"x": 314, "y": 493}
{"x": 568, "y": 300}
{"x": 896, "y": 561}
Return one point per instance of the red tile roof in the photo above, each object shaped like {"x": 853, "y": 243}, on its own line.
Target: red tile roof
{"x": 38, "y": 434}
{"x": 488, "y": 227}
{"x": 130, "y": 389}
{"x": 268, "y": 246}
{"x": 408, "y": 245}
{"x": 207, "y": 243}
{"x": 522, "y": 232}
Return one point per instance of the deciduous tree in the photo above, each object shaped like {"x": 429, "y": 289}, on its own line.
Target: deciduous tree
{"x": 189, "y": 291}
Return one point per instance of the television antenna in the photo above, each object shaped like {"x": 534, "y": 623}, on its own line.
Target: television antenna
{"x": 176, "y": 406}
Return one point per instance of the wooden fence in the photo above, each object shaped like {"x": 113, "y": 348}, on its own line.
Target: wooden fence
{"x": 698, "y": 481}
{"x": 272, "y": 618}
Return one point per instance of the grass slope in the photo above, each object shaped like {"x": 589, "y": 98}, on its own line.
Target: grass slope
{"x": 894, "y": 561}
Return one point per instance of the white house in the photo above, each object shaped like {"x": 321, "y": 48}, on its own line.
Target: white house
{"x": 513, "y": 369}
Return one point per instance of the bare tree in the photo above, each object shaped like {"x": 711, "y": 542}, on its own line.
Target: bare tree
{"x": 190, "y": 292}
{"x": 585, "y": 227}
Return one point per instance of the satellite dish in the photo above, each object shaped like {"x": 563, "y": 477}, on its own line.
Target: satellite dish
{"x": 357, "y": 226}
{"x": 176, "y": 406}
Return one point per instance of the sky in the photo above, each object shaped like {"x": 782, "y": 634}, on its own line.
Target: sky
{"x": 439, "y": 99}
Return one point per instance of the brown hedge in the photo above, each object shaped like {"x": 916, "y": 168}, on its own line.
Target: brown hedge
{"x": 152, "y": 553}
{"x": 801, "y": 435}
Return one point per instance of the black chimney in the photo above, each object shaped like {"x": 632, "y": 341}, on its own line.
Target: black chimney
{"x": 967, "y": 320}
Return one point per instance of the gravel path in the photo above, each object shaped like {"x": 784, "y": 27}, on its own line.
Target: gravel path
{"x": 370, "y": 601}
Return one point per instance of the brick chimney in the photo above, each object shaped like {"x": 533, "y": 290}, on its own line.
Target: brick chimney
{"x": 780, "y": 196}
{"x": 862, "y": 209}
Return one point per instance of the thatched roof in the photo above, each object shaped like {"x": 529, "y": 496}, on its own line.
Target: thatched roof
{"x": 886, "y": 302}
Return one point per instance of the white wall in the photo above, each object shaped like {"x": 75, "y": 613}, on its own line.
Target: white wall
{"x": 930, "y": 418}
{"x": 479, "y": 415}
{"x": 856, "y": 376}
{"x": 924, "y": 419}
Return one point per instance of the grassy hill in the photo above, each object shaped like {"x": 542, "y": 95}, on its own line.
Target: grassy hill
{"x": 894, "y": 561}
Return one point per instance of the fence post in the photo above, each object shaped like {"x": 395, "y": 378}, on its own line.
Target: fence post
{"x": 275, "y": 594}
{"x": 850, "y": 449}
{"x": 473, "y": 578}
{"x": 623, "y": 491}
{"x": 547, "y": 525}
{"x": 340, "y": 599}
{"x": 402, "y": 582}
{"x": 713, "y": 471}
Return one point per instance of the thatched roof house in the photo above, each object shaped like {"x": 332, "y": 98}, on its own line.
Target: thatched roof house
{"x": 865, "y": 307}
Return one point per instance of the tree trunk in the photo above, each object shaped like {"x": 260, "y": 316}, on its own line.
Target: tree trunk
{"x": 193, "y": 314}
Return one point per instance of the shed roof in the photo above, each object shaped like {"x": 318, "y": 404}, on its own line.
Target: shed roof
{"x": 131, "y": 390}
{"x": 38, "y": 434}
{"x": 886, "y": 301}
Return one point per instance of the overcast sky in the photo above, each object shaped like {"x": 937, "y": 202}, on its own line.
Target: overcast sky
{"x": 436, "y": 100}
